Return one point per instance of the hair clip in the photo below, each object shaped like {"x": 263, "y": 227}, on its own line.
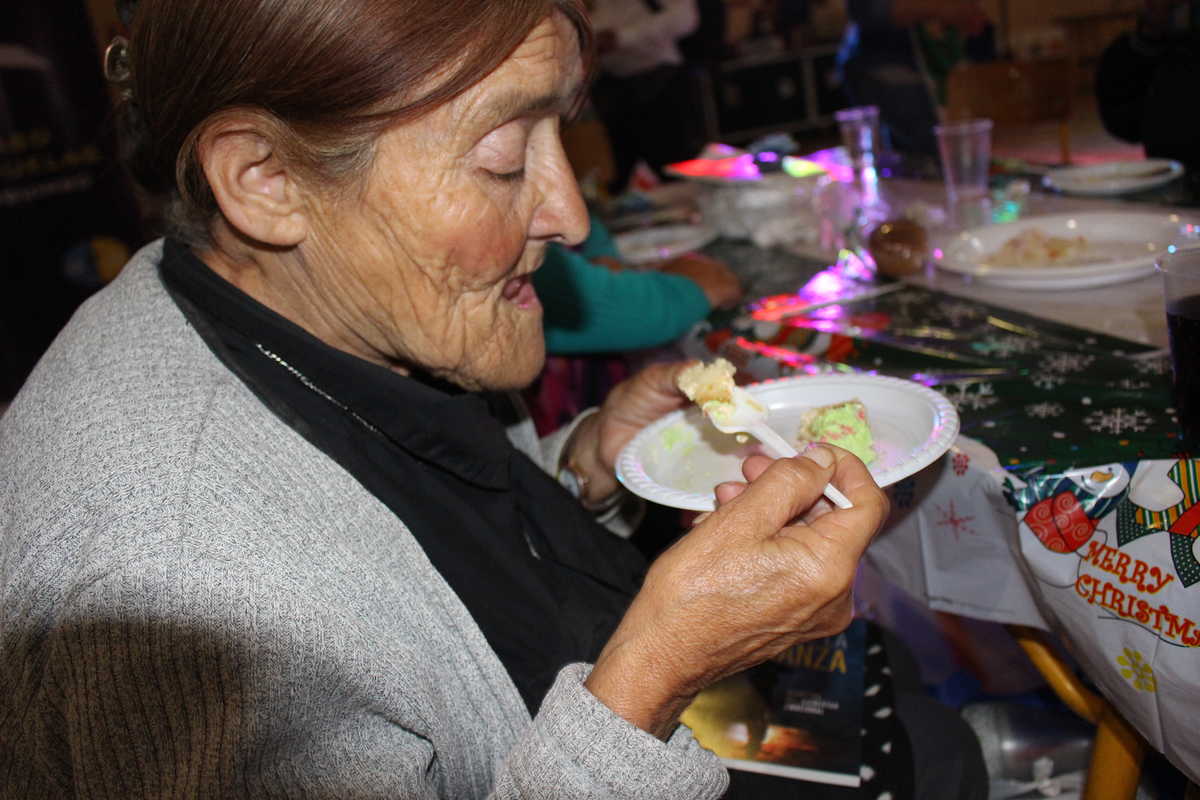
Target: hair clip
{"x": 116, "y": 61}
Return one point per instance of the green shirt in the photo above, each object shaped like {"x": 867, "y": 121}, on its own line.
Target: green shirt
{"x": 592, "y": 309}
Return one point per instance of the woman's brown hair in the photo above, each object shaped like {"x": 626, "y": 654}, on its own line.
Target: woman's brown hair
{"x": 328, "y": 75}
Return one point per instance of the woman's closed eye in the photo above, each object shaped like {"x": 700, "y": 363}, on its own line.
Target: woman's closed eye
{"x": 509, "y": 177}
{"x": 502, "y": 152}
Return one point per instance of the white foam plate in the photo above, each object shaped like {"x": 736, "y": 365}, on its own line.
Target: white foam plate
{"x": 1121, "y": 246}
{"x": 648, "y": 245}
{"x": 679, "y": 459}
{"x": 1114, "y": 177}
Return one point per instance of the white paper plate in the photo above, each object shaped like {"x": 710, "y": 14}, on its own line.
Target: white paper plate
{"x": 1114, "y": 177}
{"x": 678, "y": 460}
{"x": 1121, "y": 246}
{"x": 648, "y": 245}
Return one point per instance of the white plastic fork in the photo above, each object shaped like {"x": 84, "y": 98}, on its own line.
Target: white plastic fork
{"x": 746, "y": 415}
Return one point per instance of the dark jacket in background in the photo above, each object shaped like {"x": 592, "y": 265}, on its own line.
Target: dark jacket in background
{"x": 1145, "y": 90}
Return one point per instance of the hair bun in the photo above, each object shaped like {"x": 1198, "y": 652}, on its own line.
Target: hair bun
{"x": 138, "y": 150}
{"x": 136, "y": 145}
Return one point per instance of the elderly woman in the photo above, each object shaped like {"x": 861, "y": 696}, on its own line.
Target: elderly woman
{"x": 271, "y": 525}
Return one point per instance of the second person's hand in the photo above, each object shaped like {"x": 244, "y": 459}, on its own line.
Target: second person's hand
{"x": 720, "y": 285}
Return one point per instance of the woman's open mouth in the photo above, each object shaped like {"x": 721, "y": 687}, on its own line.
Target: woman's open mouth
{"x": 520, "y": 292}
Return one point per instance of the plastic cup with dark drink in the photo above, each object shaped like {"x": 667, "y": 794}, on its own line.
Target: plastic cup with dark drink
{"x": 1180, "y": 271}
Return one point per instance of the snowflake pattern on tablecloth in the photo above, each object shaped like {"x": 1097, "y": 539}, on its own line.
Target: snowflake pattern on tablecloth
{"x": 1130, "y": 384}
{"x": 970, "y": 395}
{"x": 1135, "y": 670}
{"x": 958, "y": 313}
{"x": 1066, "y": 362}
{"x": 1044, "y": 410}
{"x": 1047, "y": 380}
{"x": 1005, "y": 346}
{"x": 1118, "y": 420}
{"x": 958, "y": 524}
{"x": 909, "y": 308}
{"x": 908, "y": 297}
{"x": 1151, "y": 366}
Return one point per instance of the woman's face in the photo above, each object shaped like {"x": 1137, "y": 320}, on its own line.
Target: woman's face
{"x": 428, "y": 263}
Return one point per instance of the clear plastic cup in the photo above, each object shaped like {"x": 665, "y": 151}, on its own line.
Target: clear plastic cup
{"x": 859, "y": 127}
{"x": 1180, "y": 270}
{"x": 966, "y": 150}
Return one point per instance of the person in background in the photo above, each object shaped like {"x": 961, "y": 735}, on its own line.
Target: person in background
{"x": 893, "y": 54}
{"x": 596, "y": 303}
{"x": 645, "y": 92}
{"x": 1145, "y": 77}
{"x": 600, "y": 311}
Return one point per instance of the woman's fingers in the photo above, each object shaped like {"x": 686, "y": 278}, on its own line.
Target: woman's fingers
{"x": 871, "y": 504}
{"x": 725, "y": 492}
{"x": 781, "y": 492}
{"x": 849, "y": 474}
{"x": 752, "y": 467}
{"x": 755, "y": 465}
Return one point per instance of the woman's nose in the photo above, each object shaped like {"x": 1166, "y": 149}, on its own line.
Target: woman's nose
{"x": 561, "y": 214}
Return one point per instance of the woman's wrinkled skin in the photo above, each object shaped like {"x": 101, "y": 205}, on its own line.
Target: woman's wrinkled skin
{"x": 427, "y": 264}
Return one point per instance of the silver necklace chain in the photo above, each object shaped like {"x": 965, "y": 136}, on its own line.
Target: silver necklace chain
{"x": 300, "y": 376}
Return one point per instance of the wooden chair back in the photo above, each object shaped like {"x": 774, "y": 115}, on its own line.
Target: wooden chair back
{"x": 1014, "y": 93}
{"x": 1115, "y": 767}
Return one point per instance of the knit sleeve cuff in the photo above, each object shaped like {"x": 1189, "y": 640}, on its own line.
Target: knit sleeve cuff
{"x": 554, "y": 444}
{"x": 602, "y": 755}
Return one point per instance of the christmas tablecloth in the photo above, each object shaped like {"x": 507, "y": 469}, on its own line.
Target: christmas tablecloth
{"x": 1068, "y": 503}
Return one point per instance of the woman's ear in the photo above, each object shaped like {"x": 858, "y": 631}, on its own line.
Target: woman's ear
{"x": 258, "y": 193}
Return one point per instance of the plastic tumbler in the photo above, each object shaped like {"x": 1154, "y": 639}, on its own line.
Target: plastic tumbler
{"x": 1181, "y": 287}
{"x": 966, "y": 149}
{"x": 859, "y": 127}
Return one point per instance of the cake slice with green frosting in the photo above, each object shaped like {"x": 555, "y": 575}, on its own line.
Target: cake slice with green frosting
{"x": 842, "y": 424}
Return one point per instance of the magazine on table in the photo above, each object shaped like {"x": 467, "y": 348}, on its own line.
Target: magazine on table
{"x": 799, "y": 715}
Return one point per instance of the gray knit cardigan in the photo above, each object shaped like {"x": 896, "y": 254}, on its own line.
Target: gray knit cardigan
{"x": 196, "y": 602}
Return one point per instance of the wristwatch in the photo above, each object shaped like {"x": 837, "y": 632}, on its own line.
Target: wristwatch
{"x": 576, "y": 482}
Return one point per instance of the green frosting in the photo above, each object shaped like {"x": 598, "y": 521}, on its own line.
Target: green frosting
{"x": 844, "y": 425}
{"x": 677, "y": 435}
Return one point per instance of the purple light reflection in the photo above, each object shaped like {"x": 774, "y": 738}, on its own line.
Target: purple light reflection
{"x": 828, "y": 312}
{"x": 826, "y": 285}
{"x": 832, "y": 160}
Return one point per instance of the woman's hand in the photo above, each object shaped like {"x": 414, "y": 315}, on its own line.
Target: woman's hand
{"x": 720, "y": 285}
{"x": 631, "y": 405}
{"x": 772, "y": 566}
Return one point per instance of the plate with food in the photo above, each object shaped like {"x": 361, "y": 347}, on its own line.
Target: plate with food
{"x": 647, "y": 245}
{"x": 1064, "y": 251}
{"x": 1114, "y": 177}
{"x": 896, "y": 426}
